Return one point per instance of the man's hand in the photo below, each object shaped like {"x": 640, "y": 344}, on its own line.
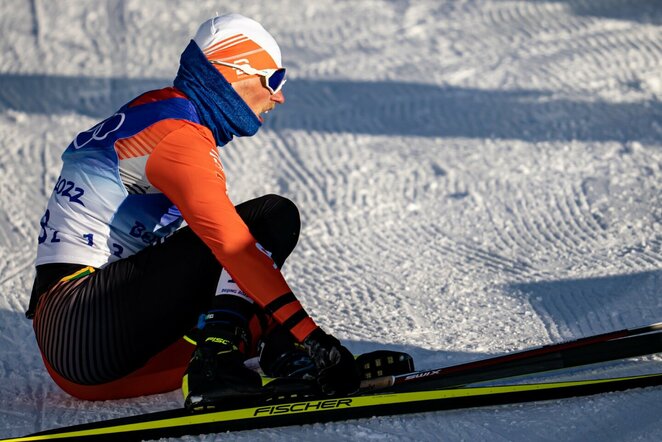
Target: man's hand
{"x": 337, "y": 369}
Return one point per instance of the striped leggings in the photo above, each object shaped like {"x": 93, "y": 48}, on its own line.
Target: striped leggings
{"x": 103, "y": 325}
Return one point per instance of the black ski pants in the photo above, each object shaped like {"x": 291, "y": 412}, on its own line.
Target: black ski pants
{"x": 109, "y": 323}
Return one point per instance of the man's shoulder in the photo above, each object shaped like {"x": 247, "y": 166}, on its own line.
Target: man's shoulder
{"x": 186, "y": 132}
{"x": 157, "y": 95}
{"x": 174, "y": 116}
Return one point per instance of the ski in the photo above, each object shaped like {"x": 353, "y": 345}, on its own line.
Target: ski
{"x": 398, "y": 392}
{"x": 177, "y": 423}
{"x": 596, "y": 349}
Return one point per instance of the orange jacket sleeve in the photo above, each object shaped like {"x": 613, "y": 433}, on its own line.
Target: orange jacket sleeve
{"x": 185, "y": 166}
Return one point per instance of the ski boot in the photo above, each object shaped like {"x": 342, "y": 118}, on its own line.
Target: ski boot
{"x": 216, "y": 373}
{"x": 282, "y": 357}
{"x": 292, "y": 373}
{"x": 289, "y": 371}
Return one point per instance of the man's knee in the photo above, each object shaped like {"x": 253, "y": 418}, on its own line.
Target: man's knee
{"x": 270, "y": 210}
{"x": 287, "y": 210}
{"x": 274, "y": 222}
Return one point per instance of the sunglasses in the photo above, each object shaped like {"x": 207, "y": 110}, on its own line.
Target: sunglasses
{"x": 274, "y": 79}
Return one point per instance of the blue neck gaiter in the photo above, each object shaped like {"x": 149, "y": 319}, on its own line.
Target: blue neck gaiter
{"x": 219, "y": 107}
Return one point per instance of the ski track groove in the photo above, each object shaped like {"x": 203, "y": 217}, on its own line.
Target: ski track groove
{"x": 608, "y": 52}
{"x": 511, "y": 236}
{"x": 20, "y": 206}
{"x": 44, "y": 162}
{"x": 16, "y": 264}
{"x": 525, "y": 227}
{"x": 574, "y": 219}
{"x": 503, "y": 240}
{"x": 530, "y": 222}
{"x": 521, "y": 271}
{"x": 36, "y": 21}
{"x": 554, "y": 307}
{"x": 553, "y": 226}
{"x": 575, "y": 201}
{"x": 570, "y": 242}
{"x": 116, "y": 10}
{"x": 508, "y": 238}
{"x": 310, "y": 184}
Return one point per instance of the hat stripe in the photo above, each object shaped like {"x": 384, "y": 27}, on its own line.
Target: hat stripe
{"x": 234, "y": 43}
{"x": 225, "y": 43}
{"x": 257, "y": 56}
{"x": 240, "y": 55}
{"x": 225, "y": 40}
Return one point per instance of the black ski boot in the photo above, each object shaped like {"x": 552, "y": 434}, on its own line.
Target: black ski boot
{"x": 216, "y": 373}
{"x": 293, "y": 373}
{"x": 283, "y": 357}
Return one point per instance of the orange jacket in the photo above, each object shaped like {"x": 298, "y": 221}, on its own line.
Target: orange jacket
{"x": 184, "y": 164}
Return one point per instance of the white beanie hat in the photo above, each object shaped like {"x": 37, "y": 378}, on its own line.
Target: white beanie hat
{"x": 236, "y": 39}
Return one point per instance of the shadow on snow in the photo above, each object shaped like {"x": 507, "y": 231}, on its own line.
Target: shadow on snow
{"x": 640, "y": 11}
{"x": 580, "y": 307}
{"x": 377, "y": 108}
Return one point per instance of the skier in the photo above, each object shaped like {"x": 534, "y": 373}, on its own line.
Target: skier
{"x": 120, "y": 280}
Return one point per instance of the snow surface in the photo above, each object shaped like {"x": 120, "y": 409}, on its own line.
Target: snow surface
{"x": 474, "y": 177}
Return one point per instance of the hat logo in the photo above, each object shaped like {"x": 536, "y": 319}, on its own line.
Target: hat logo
{"x": 241, "y": 61}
